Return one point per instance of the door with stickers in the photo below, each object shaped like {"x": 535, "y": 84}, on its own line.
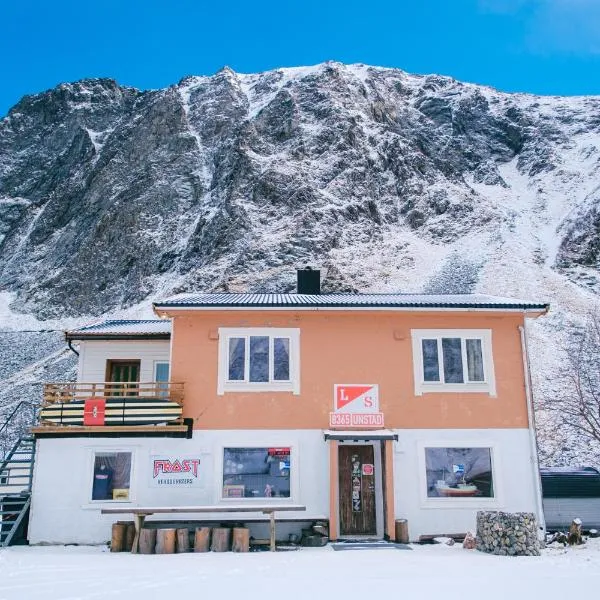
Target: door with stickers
{"x": 357, "y": 506}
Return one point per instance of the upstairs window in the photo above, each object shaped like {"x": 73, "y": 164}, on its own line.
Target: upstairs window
{"x": 259, "y": 359}
{"x": 453, "y": 360}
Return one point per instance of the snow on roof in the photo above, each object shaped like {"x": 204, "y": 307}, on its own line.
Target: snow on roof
{"x": 398, "y": 301}
{"x": 154, "y": 328}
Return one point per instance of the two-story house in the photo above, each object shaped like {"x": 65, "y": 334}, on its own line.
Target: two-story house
{"x": 365, "y": 408}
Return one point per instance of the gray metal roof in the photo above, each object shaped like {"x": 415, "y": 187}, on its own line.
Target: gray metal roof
{"x": 348, "y": 301}
{"x": 122, "y": 329}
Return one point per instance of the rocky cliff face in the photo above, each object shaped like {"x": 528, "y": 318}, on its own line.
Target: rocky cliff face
{"x": 388, "y": 181}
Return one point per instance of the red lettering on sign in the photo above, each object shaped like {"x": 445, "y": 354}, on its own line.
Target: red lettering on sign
{"x": 347, "y": 394}
{"x": 177, "y": 466}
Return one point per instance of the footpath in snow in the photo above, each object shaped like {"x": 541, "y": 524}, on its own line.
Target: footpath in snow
{"x": 438, "y": 572}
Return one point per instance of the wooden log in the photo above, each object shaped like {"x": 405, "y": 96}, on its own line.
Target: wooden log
{"x": 221, "y": 537}
{"x": 241, "y": 539}
{"x": 202, "y": 539}
{"x": 147, "y": 541}
{"x": 574, "y": 537}
{"x": 129, "y": 537}
{"x": 183, "y": 540}
{"x": 117, "y": 540}
{"x": 402, "y": 531}
{"x": 165, "y": 541}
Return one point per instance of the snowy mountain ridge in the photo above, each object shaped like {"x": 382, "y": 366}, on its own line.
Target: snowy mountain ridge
{"x": 111, "y": 197}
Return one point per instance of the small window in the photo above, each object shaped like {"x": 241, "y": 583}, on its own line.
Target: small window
{"x": 259, "y": 359}
{"x": 451, "y": 360}
{"x": 459, "y": 473}
{"x": 256, "y": 472}
{"x": 112, "y": 476}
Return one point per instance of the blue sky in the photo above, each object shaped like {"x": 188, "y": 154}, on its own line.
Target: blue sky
{"x": 540, "y": 46}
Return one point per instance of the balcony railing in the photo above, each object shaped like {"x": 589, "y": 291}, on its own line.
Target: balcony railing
{"x": 70, "y": 391}
{"x": 72, "y": 403}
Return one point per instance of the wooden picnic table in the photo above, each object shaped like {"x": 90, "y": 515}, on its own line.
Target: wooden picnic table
{"x": 141, "y": 512}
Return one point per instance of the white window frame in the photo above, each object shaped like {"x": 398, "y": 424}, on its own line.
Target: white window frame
{"x": 91, "y": 463}
{"x": 225, "y": 385}
{"x": 155, "y": 369}
{"x": 488, "y": 385}
{"x": 469, "y": 502}
{"x": 294, "y": 473}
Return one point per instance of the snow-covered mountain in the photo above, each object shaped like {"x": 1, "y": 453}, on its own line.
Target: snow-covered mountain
{"x": 110, "y": 196}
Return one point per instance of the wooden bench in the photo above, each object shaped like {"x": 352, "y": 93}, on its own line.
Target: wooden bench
{"x": 141, "y": 512}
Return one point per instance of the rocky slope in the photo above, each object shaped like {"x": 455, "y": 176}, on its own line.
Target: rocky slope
{"x": 110, "y": 196}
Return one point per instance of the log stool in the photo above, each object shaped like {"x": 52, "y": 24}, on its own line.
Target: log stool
{"x": 202, "y": 539}
{"x": 165, "y": 541}
{"x": 220, "y": 539}
{"x": 147, "y": 541}
{"x": 241, "y": 539}
{"x": 183, "y": 540}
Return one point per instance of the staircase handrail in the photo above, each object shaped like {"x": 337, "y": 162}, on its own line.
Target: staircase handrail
{"x": 15, "y": 411}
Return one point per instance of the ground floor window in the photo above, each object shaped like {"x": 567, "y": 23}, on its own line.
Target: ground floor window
{"x": 112, "y": 476}
{"x": 256, "y": 472}
{"x": 459, "y": 472}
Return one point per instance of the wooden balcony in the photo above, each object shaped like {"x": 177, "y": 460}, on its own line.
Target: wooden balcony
{"x": 103, "y": 405}
{"x": 70, "y": 391}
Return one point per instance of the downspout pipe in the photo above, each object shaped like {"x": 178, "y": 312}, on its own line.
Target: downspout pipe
{"x": 535, "y": 465}
{"x": 70, "y": 344}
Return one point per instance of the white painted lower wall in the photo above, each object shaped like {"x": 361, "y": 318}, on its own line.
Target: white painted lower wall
{"x": 62, "y": 511}
{"x": 513, "y": 474}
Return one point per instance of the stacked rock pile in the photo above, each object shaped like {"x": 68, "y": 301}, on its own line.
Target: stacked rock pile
{"x": 509, "y": 534}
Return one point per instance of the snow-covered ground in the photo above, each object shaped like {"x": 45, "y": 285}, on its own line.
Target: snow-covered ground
{"x": 437, "y": 572}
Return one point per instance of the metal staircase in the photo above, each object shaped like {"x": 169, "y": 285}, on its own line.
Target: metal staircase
{"x": 16, "y": 473}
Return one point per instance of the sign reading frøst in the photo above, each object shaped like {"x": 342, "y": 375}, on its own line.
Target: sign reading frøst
{"x": 356, "y": 405}
{"x": 175, "y": 471}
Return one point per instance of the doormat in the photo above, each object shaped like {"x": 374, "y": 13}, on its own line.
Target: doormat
{"x": 369, "y": 546}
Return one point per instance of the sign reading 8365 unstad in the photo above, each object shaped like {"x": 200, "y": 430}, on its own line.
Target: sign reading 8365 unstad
{"x": 356, "y": 405}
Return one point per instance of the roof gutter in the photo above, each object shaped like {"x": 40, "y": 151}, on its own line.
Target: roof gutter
{"x": 533, "y": 311}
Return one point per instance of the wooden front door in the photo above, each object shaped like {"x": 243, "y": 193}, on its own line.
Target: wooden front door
{"x": 122, "y": 371}
{"x": 357, "y": 490}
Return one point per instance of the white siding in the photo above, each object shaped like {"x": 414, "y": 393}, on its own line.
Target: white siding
{"x": 62, "y": 512}
{"x": 512, "y": 472}
{"x": 94, "y": 354}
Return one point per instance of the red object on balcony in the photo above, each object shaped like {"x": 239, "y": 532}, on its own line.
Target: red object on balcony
{"x": 94, "y": 411}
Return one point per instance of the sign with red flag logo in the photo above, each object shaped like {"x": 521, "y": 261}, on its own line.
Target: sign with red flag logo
{"x": 356, "y": 405}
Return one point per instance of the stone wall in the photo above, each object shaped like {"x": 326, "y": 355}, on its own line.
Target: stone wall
{"x": 509, "y": 534}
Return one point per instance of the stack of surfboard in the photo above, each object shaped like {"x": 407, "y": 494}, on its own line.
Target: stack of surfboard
{"x": 97, "y": 411}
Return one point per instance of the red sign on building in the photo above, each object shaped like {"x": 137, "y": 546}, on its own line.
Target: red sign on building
{"x": 356, "y": 405}
{"x": 94, "y": 411}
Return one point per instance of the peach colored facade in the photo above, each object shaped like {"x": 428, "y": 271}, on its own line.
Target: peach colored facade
{"x": 345, "y": 347}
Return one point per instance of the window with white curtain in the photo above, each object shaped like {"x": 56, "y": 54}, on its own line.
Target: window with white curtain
{"x": 453, "y": 360}
{"x": 259, "y": 359}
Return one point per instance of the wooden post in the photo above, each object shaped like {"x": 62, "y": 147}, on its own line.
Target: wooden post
{"x": 147, "y": 541}
{"x": 202, "y": 539}
{"x": 402, "y": 531}
{"x": 139, "y": 525}
{"x": 117, "y": 540}
{"x": 241, "y": 539}
{"x": 272, "y": 530}
{"x": 165, "y": 541}
{"x": 220, "y": 539}
{"x": 183, "y": 540}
